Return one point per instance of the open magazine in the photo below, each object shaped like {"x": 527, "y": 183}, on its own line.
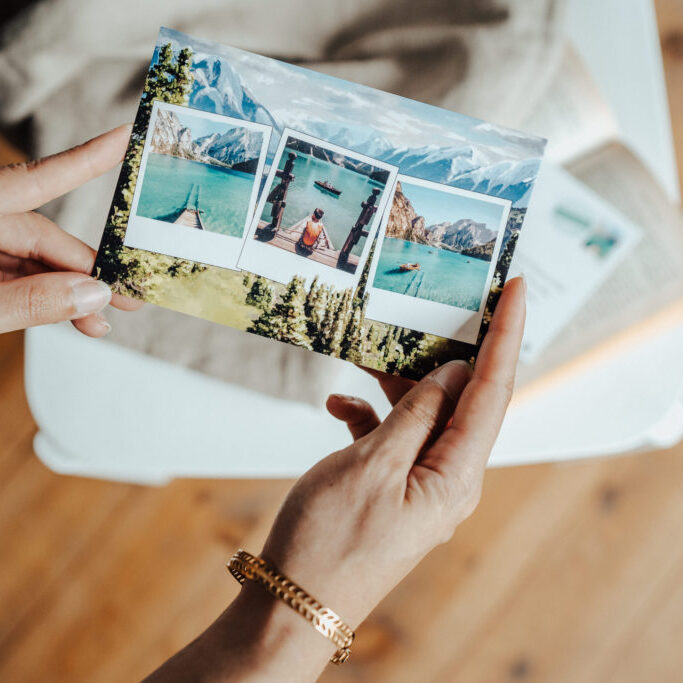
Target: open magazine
{"x": 635, "y": 279}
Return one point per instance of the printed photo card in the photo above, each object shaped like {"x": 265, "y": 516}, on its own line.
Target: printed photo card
{"x": 315, "y": 211}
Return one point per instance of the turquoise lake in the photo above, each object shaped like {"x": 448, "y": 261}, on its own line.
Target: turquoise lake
{"x": 341, "y": 213}
{"x": 444, "y": 276}
{"x": 223, "y": 194}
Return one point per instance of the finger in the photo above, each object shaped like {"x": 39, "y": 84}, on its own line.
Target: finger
{"x": 464, "y": 447}
{"x": 126, "y": 303}
{"x": 49, "y": 298}
{"x": 12, "y": 267}
{"x": 94, "y": 325}
{"x": 359, "y": 415}
{"x": 393, "y": 386}
{"x": 424, "y": 410}
{"x": 30, "y": 185}
{"x": 33, "y": 236}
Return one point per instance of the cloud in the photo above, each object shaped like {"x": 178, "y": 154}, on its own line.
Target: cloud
{"x": 530, "y": 142}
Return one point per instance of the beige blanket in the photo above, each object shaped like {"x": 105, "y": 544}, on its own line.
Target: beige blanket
{"x": 77, "y": 68}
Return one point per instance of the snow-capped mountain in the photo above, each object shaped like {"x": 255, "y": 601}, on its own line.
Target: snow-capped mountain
{"x": 462, "y": 234}
{"x": 237, "y": 146}
{"x": 465, "y": 235}
{"x": 219, "y": 88}
{"x": 234, "y": 147}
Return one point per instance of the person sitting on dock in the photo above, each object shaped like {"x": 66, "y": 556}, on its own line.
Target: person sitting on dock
{"x": 311, "y": 233}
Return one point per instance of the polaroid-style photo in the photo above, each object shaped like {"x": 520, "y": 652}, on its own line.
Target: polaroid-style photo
{"x": 318, "y": 213}
{"x": 198, "y": 185}
{"x": 435, "y": 258}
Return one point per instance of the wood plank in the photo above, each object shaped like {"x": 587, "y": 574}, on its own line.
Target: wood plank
{"x": 287, "y": 238}
{"x": 190, "y": 218}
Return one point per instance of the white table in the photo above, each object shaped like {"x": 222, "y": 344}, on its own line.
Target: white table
{"x": 105, "y": 411}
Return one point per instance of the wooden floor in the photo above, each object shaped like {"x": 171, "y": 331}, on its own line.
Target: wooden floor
{"x": 569, "y": 573}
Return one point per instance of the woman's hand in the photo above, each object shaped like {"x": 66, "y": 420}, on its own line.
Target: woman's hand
{"x": 44, "y": 271}
{"x": 356, "y": 523}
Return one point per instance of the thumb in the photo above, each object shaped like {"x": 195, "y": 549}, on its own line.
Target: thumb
{"x": 425, "y": 410}
{"x": 50, "y": 298}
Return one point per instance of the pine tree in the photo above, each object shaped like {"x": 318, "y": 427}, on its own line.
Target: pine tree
{"x": 260, "y": 294}
{"x": 384, "y": 344}
{"x": 169, "y": 80}
{"x": 286, "y": 321}
{"x": 341, "y": 321}
{"x": 316, "y": 308}
{"x": 331, "y": 329}
{"x": 324, "y": 328}
{"x": 311, "y": 296}
{"x": 351, "y": 347}
{"x": 411, "y": 342}
{"x": 397, "y": 361}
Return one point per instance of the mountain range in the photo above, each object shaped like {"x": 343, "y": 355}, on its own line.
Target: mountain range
{"x": 464, "y": 236}
{"x": 218, "y": 88}
{"x": 238, "y": 148}
{"x": 378, "y": 174}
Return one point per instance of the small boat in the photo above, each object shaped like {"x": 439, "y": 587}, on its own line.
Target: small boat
{"x": 405, "y": 267}
{"x": 328, "y": 187}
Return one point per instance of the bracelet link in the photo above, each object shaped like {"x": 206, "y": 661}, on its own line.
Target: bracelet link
{"x": 245, "y": 566}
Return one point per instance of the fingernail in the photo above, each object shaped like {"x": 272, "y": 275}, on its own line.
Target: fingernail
{"x": 104, "y": 323}
{"x": 89, "y": 296}
{"x": 343, "y": 397}
{"x": 452, "y": 377}
{"x": 523, "y": 277}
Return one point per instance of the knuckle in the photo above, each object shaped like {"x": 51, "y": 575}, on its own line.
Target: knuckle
{"x": 34, "y": 305}
{"x": 502, "y": 387}
{"x": 412, "y": 408}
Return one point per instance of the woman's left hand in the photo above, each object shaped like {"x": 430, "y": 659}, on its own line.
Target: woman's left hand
{"x": 44, "y": 271}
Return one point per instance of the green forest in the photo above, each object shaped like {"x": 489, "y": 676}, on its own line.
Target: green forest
{"x": 316, "y": 317}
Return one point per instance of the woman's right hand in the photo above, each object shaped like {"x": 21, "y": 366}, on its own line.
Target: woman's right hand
{"x": 44, "y": 271}
{"x": 358, "y": 521}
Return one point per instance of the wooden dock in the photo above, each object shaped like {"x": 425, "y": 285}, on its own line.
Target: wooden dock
{"x": 286, "y": 238}
{"x": 190, "y": 216}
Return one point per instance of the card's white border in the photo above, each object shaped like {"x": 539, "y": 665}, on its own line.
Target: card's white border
{"x": 202, "y": 246}
{"x": 430, "y": 316}
{"x": 279, "y": 265}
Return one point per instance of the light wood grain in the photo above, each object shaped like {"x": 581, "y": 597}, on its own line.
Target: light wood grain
{"x": 569, "y": 572}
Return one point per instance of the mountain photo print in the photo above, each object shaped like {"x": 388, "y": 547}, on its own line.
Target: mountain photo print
{"x": 315, "y": 211}
{"x": 318, "y": 213}
{"x": 435, "y": 258}
{"x": 199, "y": 179}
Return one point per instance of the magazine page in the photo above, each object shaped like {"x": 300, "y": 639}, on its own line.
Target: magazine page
{"x": 573, "y": 114}
{"x": 645, "y": 291}
{"x": 572, "y": 241}
{"x": 314, "y": 211}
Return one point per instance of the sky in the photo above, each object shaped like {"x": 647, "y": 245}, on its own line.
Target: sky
{"x": 437, "y": 206}
{"x": 288, "y": 90}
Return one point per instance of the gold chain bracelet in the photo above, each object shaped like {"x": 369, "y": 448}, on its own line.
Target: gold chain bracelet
{"x": 244, "y": 565}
